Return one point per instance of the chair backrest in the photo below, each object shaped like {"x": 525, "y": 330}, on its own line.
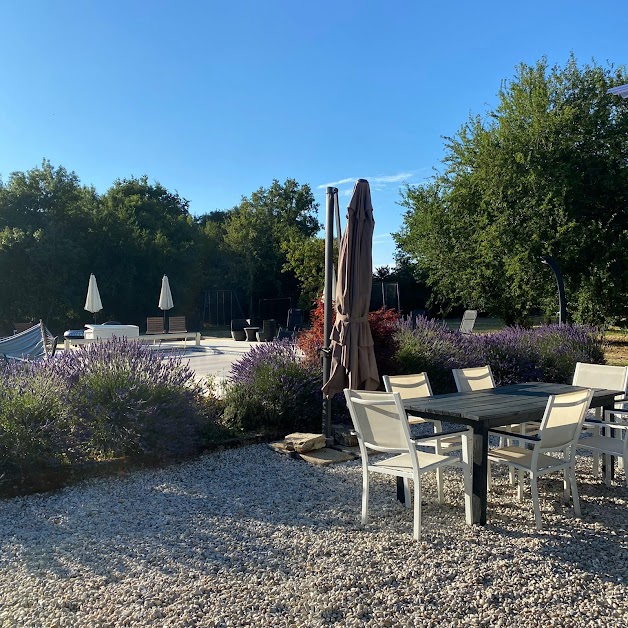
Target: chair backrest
{"x": 408, "y": 386}
{"x": 468, "y": 321}
{"x": 176, "y": 325}
{"x": 379, "y": 420}
{"x": 269, "y": 327}
{"x": 155, "y": 325}
{"x": 563, "y": 418}
{"x": 601, "y": 376}
{"x": 475, "y": 378}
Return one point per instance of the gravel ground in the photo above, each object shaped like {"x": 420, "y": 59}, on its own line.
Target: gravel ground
{"x": 248, "y": 537}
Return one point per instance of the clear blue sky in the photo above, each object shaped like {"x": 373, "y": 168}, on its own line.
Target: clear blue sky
{"x": 215, "y": 99}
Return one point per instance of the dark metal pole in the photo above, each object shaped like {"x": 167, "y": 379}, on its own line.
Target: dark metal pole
{"x": 329, "y": 278}
{"x": 562, "y": 303}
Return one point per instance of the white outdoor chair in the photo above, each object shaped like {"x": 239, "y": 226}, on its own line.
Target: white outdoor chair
{"x": 418, "y": 386}
{"x": 612, "y": 441}
{"x": 468, "y": 321}
{"x": 381, "y": 425}
{"x": 612, "y": 378}
{"x": 481, "y": 378}
{"x": 559, "y": 431}
{"x": 475, "y": 378}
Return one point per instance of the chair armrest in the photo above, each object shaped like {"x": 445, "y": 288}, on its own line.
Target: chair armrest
{"x": 439, "y": 435}
{"x": 611, "y": 424}
{"x": 614, "y": 411}
{"x": 515, "y": 435}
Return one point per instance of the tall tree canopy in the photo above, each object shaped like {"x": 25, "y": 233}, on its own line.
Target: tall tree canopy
{"x": 258, "y": 237}
{"x": 546, "y": 172}
{"x": 45, "y": 215}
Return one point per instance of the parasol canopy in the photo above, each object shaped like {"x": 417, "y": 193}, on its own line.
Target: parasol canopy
{"x": 93, "y": 303}
{"x": 353, "y": 359}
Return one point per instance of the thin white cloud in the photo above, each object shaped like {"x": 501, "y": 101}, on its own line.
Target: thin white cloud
{"x": 392, "y": 178}
{"x": 382, "y": 238}
{"x": 334, "y": 184}
{"x": 378, "y": 183}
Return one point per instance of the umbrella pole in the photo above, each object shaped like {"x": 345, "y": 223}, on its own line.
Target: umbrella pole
{"x": 164, "y": 321}
{"x": 329, "y": 275}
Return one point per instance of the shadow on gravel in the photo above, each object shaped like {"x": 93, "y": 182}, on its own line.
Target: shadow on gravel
{"x": 597, "y": 543}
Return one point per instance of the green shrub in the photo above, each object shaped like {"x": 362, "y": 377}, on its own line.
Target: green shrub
{"x": 115, "y": 398}
{"x": 274, "y": 390}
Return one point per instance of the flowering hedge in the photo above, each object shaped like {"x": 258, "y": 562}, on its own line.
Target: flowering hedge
{"x": 109, "y": 399}
{"x": 547, "y": 353}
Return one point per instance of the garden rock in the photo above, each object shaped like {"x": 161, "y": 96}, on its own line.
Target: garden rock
{"x": 302, "y": 442}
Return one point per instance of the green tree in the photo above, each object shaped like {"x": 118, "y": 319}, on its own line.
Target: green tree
{"x": 45, "y": 216}
{"x": 257, "y": 238}
{"x": 144, "y": 231}
{"x": 305, "y": 257}
{"x": 546, "y": 172}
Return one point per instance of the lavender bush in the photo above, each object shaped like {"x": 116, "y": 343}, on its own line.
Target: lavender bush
{"x": 433, "y": 348}
{"x": 35, "y": 422}
{"x": 515, "y": 354}
{"x": 109, "y": 399}
{"x": 272, "y": 388}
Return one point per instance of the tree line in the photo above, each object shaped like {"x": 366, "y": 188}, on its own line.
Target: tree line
{"x": 55, "y": 231}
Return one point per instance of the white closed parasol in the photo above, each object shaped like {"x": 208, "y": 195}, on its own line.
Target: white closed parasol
{"x": 93, "y": 303}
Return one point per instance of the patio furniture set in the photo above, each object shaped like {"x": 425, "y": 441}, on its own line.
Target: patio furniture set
{"x": 539, "y": 425}
{"x": 244, "y": 328}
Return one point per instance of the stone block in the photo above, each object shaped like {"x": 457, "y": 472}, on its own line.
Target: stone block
{"x": 302, "y": 442}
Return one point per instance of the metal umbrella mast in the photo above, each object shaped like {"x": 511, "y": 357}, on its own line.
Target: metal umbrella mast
{"x": 332, "y": 210}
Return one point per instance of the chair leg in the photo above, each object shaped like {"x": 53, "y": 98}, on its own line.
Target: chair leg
{"x": 438, "y": 427}
{"x": 566, "y": 481}
{"x": 467, "y": 459}
{"x": 596, "y": 465}
{"x": 607, "y": 470}
{"x": 417, "y": 509}
{"x": 574, "y": 492}
{"x": 488, "y": 476}
{"x": 535, "y": 501}
{"x": 520, "y": 484}
{"x": 365, "y": 497}
{"x": 439, "y": 485}
{"x": 406, "y": 493}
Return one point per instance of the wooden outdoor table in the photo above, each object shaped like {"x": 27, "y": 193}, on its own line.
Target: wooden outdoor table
{"x": 496, "y": 407}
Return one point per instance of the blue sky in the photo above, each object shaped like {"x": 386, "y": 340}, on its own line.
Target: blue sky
{"x": 215, "y": 99}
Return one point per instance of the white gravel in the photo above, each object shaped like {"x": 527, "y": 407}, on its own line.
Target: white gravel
{"x": 248, "y": 537}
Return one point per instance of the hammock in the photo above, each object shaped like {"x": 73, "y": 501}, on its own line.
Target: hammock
{"x": 34, "y": 343}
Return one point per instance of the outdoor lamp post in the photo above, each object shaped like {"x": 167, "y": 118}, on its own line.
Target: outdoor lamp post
{"x": 562, "y": 303}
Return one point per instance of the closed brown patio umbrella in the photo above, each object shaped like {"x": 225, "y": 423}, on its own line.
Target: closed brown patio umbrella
{"x": 353, "y": 359}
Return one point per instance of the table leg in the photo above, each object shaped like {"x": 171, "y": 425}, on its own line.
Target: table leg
{"x": 401, "y": 494}
{"x": 480, "y": 469}
{"x": 607, "y": 459}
